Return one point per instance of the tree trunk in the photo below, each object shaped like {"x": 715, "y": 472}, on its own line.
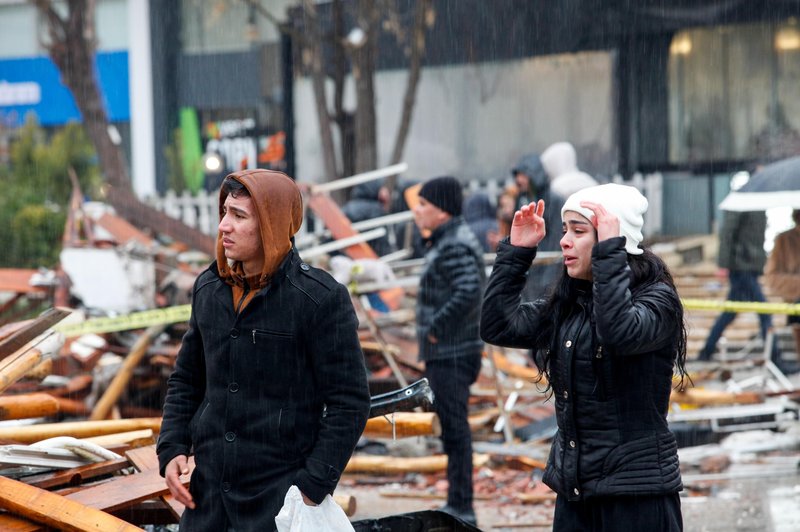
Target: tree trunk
{"x": 364, "y": 75}
{"x": 417, "y": 50}
{"x": 312, "y": 55}
{"x": 72, "y": 49}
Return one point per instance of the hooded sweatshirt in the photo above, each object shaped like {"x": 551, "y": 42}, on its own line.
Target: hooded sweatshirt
{"x": 559, "y": 161}
{"x": 279, "y": 209}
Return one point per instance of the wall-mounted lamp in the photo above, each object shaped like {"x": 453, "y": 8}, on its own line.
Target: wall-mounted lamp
{"x": 681, "y": 44}
{"x": 787, "y": 38}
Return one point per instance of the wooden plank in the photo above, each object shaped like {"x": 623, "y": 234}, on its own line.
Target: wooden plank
{"x": 18, "y": 340}
{"x": 403, "y": 425}
{"x": 125, "y": 373}
{"x": 77, "y": 429}
{"x": 146, "y": 459}
{"x": 17, "y": 280}
{"x": 27, "y": 406}
{"x": 392, "y": 464}
{"x": 122, "y": 492}
{"x": 53, "y": 510}
{"x": 76, "y": 475}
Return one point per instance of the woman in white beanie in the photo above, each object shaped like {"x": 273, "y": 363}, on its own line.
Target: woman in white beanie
{"x": 607, "y": 339}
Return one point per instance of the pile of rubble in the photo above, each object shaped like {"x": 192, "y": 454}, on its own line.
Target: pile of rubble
{"x": 81, "y": 393}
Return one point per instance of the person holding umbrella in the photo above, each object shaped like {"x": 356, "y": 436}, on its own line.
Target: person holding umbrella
{"x": 782, "y": 272}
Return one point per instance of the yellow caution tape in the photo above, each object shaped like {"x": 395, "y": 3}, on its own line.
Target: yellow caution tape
{"x": 135, "y": 320}
{"x": 792, "y": 309}
{"x": 180, "y": 313}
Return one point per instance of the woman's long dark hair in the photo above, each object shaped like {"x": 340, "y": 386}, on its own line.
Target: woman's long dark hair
{"x": 646, "y": 269}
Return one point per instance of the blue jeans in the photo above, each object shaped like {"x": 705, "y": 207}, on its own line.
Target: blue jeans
{"x": 743, "y": 287}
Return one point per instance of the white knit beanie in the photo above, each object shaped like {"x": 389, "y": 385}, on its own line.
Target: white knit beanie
{"x": 625, "y": 202}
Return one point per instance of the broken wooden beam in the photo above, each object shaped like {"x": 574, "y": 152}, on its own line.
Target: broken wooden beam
{"x": 124, "y": 374}
{"x": 704, "y": 397}
{"x": 403, "y": 425}
{"x": 56, "y": 511}
{"x": 391, "y": 464}
{"x": 18, "y": 339}
{"x": 28, "y": 405}
{"x": 77, "y": 429}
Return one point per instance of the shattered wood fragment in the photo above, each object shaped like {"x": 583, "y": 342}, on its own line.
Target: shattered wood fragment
{"x": 117, "y": 386}
{"x": 516, "y": 370}
{"x": 56, "y": 511}
{"x": 145, "y": 459}
{"x": 403, "y": 425}
{"x": 704, "y": 397}
{"x": 28, "y": 406}
{"x": 133, "y": 438}
{"x": 122, "y": 491}
{"x": 389, "y": 464}
{"x": 77, "y": 429}
{"x": 76, "y": 475}
{"x": 31, "y": 330}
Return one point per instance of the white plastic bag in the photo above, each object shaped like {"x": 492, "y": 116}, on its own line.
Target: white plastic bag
{"x": 297, "y": 516}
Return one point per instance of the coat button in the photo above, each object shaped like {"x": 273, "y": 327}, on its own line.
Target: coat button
{"x": 226, "y": 487}
{"x": 576, "y": 491}
{"x": 234, "y": 333}
{"x": 568, "y": 343}
{"x": 233, "y": 387}
{"x": 230, "y": 436}
{"x": 305, "y": 267}
{"x": 572, "y": 443}
{"x": 566, "y": 394}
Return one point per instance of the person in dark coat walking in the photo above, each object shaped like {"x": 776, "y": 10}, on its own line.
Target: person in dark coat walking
{"x": 607, "y": 340}
{"x": 741, "y": 259}
{"x": 269, "y": 388}
{"x": 448, "y": 313}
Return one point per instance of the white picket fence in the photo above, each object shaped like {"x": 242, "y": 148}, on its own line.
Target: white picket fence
{"x": 201, "y": 210}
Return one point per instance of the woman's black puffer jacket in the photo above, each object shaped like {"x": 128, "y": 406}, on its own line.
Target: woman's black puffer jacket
{"x": 611, "y": 372}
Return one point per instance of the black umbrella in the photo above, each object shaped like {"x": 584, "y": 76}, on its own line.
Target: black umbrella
{"x": 775, "y": 185}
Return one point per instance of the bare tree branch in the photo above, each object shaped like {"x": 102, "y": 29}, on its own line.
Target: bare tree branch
{"x": 314, "y": 57}
{"x": 422, "y": 16}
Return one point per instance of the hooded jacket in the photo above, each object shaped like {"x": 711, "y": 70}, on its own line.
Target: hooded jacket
{"x": 481, "y": 218}
{"x": 560, "y": 163}
{"x": 270, "y": 396}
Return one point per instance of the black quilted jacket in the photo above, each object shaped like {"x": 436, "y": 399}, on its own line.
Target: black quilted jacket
{"x": 450, "y": 292}
{"x": 611, "y": 373}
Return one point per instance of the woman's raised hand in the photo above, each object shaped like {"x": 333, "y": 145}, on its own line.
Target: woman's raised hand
{"x": 527, "y": 228}
{"x": 606, "y": 223}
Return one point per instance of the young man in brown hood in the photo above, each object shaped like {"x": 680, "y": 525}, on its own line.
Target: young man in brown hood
{"x": 269, "y": 388}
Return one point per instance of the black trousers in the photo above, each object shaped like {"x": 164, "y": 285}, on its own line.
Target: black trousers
{"x": 658, "y": 513}
{"x": 450, "y": 380}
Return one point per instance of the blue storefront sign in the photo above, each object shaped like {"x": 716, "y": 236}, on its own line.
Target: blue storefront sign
{"x": 33, "y": 85}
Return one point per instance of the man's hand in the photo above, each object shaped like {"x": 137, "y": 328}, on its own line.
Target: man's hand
{"x": 527, "y": 228}
{"x": 308, "y": 501}
{"x": 176, "y": 468}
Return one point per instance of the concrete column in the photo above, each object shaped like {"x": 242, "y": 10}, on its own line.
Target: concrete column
{"x": 140, "y": 74}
